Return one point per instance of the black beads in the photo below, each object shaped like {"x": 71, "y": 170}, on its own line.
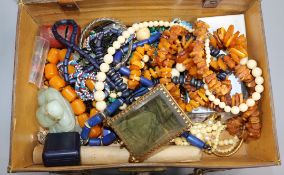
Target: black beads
{"x": 175, "y": 80}
{"x": 222, "y": 75}
{"x": 179, "y": 80}
{"x": 197, "y": 83}
{"x": 214, "y": 51}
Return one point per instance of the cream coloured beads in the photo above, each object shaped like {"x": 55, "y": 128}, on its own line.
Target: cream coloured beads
{"x": 145, "y": 58}
{"x": 175, "y": 73}
{"x": 180, "y": 67}
{"x": 243, "y": 107}
{"x": 143, "y": 34}
{"x": 101, "y": 76}
{"x": 108, "y": 58}
{"x": 99, "y": 86}
{"x": 104, "y": 67}
{"x": 99, "y": 96}
{"x": 259, "y": 80}
{"x": 244, "y": 61}
{"x": 101, "y": 105}
{"x": 259, "y": 88}
{"x": 251, "y": 64}
{"x": 250, "y": 102}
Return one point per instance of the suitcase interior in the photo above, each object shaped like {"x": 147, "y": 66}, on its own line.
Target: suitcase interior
{"x": 263, "y": 152}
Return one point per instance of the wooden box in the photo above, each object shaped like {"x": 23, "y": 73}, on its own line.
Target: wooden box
{"x": 32, "y": 14}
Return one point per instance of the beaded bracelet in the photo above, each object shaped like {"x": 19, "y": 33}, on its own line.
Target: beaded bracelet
{"x": 256, "y": 95}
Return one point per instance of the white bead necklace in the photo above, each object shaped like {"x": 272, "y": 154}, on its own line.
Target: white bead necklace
{"x": 256, "y": 72}
{"x": 108, "y": 58}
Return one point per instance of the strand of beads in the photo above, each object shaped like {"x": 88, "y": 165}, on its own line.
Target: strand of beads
{"x": 233, "y": 142}
{"x": 255, "y": 96}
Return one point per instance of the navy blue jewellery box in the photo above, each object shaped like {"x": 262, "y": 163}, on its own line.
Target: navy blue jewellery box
{"x": 61, "y": 149}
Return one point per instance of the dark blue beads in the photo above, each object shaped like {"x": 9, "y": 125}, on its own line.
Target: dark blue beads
{"x": 195, "y": 141}
{"x": 196, "y": 83}
{"x": 222, "y": 75}
{"x": 214, "y": 51}
{"x": 179, "y": 80}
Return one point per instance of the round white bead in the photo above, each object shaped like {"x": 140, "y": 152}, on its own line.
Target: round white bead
{"x": 200, "y": 136}
{"x": 119, "y": 94}
{"x": 250, "y": 102}
{"x": 135, "y": 26}
{"x": 143, "y": 34}
{"x": 151, "y": 24}
{"x": 175, "y": 73}
{"x": 101, "y": 105}
{"x": 166, "y": 23}
{"x": 161, "y": 23}
{"x": 126, "y": 34}
{"x": 216, "y": 101}
{"x": 99, "y": 95}
{"x": 113, "y": 95}
{"x": 251, "y": 64}
{"x": 211, "y": 97}
{"x": 207, "y": 138}
{"x": 244, "y": 61}
{"x": 208, "y": 129}
{"x": 227, "y": 109}
{"x": 156, "y": 23}
{"x": 141, "y": 25}
{"x": 208, "y": 93}
{"x": 104, "y": 67}
{"x": 116, "y": 45}
{"x": 205, "y": 86}
{"x": 101, "y": 76}
{"x": 111, "y": 50}
{"x": 259, "y": 88}
{"x": 193, "y": 131}
{"x": 235, "y": 110}
{"x": 243, "y": 107}
{"x": 145, "y": 24}
{"x": 222, "y": 105}
{"x": 256, "y": 72}
{"x": 131, "y": 30}
{"x": 145, "y": 58}
{"x": 108, "y": 58}
{"x": 214, "y": 127}
{"x": 259, "y": 80}
{"x": 99, "y": 86}
{"x": 122, "y": 107}
{"x": 180, "y": 67}
{"x": 231, "y": 141}
{"x": 256, "y": 96}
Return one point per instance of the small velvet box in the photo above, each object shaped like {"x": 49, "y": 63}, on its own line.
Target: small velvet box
{"x": 61, "y": 149}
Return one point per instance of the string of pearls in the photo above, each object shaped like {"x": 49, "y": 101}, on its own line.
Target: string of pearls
{"x": 210, "y": 132}
{"x": 259, "y": 80}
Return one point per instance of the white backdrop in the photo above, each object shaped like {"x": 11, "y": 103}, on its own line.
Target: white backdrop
{"x": 273, "y": 19}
